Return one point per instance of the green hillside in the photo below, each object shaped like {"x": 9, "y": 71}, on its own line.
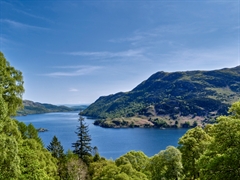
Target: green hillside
{"x": 31, "y": 107}
{"x": 195, "y": 95}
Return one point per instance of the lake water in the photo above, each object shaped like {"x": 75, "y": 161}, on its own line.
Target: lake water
{"x": 111, "y": 143}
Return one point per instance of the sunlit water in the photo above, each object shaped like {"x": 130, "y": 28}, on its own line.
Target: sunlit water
{"x": 111, "y": 143}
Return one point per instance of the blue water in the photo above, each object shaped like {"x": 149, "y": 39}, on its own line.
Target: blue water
{"x": 111, "y": 143}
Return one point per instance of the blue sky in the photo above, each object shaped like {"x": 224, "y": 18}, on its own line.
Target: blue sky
{"x": 72, "y": 52}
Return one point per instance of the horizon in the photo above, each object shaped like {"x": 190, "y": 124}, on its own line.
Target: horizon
{"x": 73, "y": 52}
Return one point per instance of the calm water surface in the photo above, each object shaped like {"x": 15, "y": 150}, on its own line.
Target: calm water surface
{"x": 111, "y": 143}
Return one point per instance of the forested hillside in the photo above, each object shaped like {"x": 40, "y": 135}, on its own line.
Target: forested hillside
{"x": 196, "y": 95}
{"x": 30, "y": 107}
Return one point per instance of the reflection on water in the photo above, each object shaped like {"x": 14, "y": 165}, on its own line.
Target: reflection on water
{"x": 111, "y": 143}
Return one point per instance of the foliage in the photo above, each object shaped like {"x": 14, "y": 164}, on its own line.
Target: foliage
{"x": 36, "y": 162}
{"x": 56, "y": 148}
{"x": 167, "y": 164}
{"x": 192, "y": 145}
{"x": 137, "y": 159}
{"x": 107, "y": 169}
{"x": 9, "y": 161}
{"x": 221, "y": 159}
{"x": 57, "y": 151}
{"x": 76, "y": 168}
{"x": 11, "y": 82}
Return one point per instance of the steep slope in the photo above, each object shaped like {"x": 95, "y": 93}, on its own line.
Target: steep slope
{"x": 191, "y": 93}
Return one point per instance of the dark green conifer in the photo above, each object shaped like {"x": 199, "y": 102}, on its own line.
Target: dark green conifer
{"x": 57, "y": 151}
{"x": 56, "y": 148}
{"x": 82, "y": 147}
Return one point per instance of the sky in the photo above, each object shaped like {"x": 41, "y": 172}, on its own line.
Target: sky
{"x": 73, "y": 52}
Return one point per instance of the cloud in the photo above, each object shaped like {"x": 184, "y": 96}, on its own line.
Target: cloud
{"x": 19, "y": 25}
{"x": 73, "y": 90}
{"x": 32, "y": 15}
{"x": 80, "y": 71}
{"x": 127, "y": 39}
{"x": 106, "y": 54}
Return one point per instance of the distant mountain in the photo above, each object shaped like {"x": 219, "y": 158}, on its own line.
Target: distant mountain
{"x": 31, "y": 107}
{"x": 197, "y": 95}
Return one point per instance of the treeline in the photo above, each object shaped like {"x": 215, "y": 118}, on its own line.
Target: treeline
{"x": 209, "y": 153}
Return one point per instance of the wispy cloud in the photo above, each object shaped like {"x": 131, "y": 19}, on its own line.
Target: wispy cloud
{"x": 73, "y": 90}
{"x": 151, "y": 36}
{"x": 71, "y": 72}
{"x": 32, "y": 15}
{"x": 19, "y": 25}
{"x": 136, "y": 37}
{"x": 106, "y": 54}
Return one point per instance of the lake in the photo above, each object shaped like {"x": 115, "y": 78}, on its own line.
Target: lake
{"x": 111, "y": 143}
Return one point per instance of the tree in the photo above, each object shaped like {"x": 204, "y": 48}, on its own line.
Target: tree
{"x": 76, "y": 168}
{"x": 22, "y": 155}
{"x": 56, "y": 148}
{"x": 137, "y": 159}
{"x": 82, "y": 146}
{"x": 9, "y": 146}
{"x": 107, "y": 169}
{"x": 36, "y": 162}
{"x": 221, "y": 159}
{"x": 11, "y": 81}
{"x": 192, "y": 145}
{"x": 167, "y": 164}
{"x": 134, "y": 164}
{"x": 9, "y": 161}
{"x": 57, "y": 151}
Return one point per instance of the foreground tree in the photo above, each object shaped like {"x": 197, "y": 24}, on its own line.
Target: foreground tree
{"x": 82, "y": 147}
{"x": 107, "y": 169}
{"x": 167, "y": 164}
{"x": 22, "y": 155}
{"x": 192, "y": 145}
{"x": 11, "y": 81}
{"x": 221, "y": 159}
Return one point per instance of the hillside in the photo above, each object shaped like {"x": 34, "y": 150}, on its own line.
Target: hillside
{"x": 195, "y": 95}
{"x": 31, "y": 107}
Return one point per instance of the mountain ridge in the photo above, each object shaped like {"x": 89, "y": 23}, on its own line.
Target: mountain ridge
{"x": 172, "y": 96}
